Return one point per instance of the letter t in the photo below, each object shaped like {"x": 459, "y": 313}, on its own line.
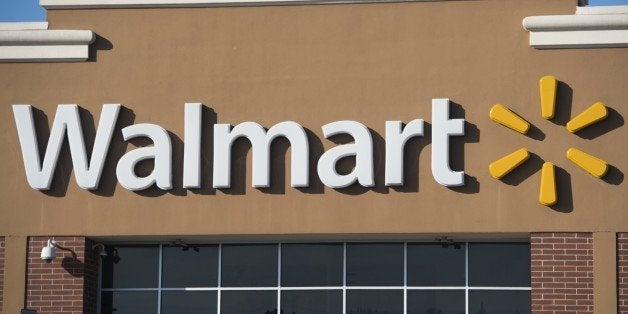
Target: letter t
{"x": 442, "y": 128}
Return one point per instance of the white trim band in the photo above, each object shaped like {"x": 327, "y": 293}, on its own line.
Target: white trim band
{"x": 603, "y": 9}
{"x": 128, "y": 4}
{"x": 45, "y": 45}
{"x": 576, "y": 22}
{"x": 577, "y": 31}
{"x": 22, "y": 26}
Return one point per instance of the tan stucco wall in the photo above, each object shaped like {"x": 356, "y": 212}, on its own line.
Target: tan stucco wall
{"x": 314, "y": 65}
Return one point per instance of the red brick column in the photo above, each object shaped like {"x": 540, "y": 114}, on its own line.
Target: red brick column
{"x": 622, "y": 273}
{"x": 1, "y": 271}
{"x": 562, "y": 272}
{"x": 66, "y": 285}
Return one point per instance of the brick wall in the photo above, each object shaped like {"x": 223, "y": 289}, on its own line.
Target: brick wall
{"x": 562, "y": 272}
{"x": 622, "y": 273}
{"x": 66, "y": 285}
{"x": 1, "y": 271}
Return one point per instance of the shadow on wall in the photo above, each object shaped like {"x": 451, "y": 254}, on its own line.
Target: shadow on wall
{"x": 100, "y": 43}
{"x": 564, "y": 114}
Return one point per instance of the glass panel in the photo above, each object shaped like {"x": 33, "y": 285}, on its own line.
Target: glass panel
{"x": 311, "y": 265}
{"x": 188, "y": 302}
{"x": 311, "y": 302}
{"x": 374, "y": 264}
{"x": 499, "y": 302}
{"x": 436, "y": 302}
{"x": 499, "y": 264}
{"x": 248, "y": 302}
{"x": 374, "y": 301}
{"x": 434, "y": 264}
{"x": 131, "y": 267}
{"x": 129, "y": 302}
{"x": 192, "y": 266}
{"x": 253, "y": 265}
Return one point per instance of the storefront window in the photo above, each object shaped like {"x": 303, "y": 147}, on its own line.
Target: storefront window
{"x": 315, "y": 278}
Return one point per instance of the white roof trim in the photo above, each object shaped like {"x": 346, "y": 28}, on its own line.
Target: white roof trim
{"x": 609, "y": 9}
{"x": 112, "y": 4}
{"x": 577, "y": 31}
{"x": 575, "y": 22}
{"x": 45, "y": 45}
{"x": 20, "y": 26}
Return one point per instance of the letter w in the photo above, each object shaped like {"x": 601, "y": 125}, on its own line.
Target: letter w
{"x": 67, "y": 119}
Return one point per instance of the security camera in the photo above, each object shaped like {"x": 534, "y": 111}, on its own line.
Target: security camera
{"x": 49, "y": 252}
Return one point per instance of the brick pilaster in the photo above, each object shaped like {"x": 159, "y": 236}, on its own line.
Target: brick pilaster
{"x": 622, "y": 273}
{"x": 66, "y": 285}
{"x": 562, "y": 272}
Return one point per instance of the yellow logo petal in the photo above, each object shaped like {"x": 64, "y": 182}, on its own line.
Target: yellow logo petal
{"x": 593, "y": 114}
{"x": 547, "y": 194}
{"x": 502, "y": 115}
{"x": 548, "y": 86}
{"x": 508, "y": 163}
{"x": 591, "y": 164}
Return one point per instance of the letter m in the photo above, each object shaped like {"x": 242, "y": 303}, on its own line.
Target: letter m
{"x": 260, "y": 140}
{"x": 67, "y": 120}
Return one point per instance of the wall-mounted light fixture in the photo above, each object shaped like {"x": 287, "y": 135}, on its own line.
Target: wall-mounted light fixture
{"x": 100, "y": 248}
{"x": 445, "y": 241}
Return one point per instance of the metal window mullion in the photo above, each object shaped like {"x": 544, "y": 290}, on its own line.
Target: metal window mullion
{"x": 159, "y": 279}
{"x": 466, "y": 277}
{"x": 405, "y": 277}
{"x": 219, "y": 283}
{"x": 344, "y": 278}
{"x": 129, "y": 289}
{"x": 99, "y": 296}
{"x": 279, "y": 277}
{"x": 501, "y": 288}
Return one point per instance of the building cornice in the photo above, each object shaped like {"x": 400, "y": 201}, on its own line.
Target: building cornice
{"x": 582, "y": 30}
{"x": 129, "y": 4}
{"x": 22, "y": 26}
{"x": 41, "y": 45}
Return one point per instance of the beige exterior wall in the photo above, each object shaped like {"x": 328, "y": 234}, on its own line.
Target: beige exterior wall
{"x": 314, "y": 65}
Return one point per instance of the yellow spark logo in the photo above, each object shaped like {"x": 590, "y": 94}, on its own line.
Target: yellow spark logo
{"x": 591, "y": 164}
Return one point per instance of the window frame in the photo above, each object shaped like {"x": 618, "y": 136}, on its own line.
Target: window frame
{"x": 344, "y": 288}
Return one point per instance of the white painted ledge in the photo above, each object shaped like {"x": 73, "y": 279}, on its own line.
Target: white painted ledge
{"x": 45, "y": 45}
{"x": 121, "y": 4}
{"x": 608, "y": 9}
{"x": 578, "y": 31}
{"x": 22, "y": 26}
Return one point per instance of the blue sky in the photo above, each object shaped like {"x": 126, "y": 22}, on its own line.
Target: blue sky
{"x": 29, "y": 10}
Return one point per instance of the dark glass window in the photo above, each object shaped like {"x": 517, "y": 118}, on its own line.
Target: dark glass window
{"x": 431, "y": 264}
{"x": 131, "y": 267}
{"x": 499, "y": 302}
{"x": 191, "y": 266}
{"x": 312, "y": 276}
{"x": 436, "y": 301}
{"x": 374, "y": 264}
{"x": 253, "y": 265}
{"x": 375, "y": 301}
{"x": 499, "y": 264}
{"x": 128, "y": 302}
{"x": 188, "y": 302}
{"x": 311, "y": 302}
{"x": 248, "y": 302}
{"x": 311, "y": 265}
